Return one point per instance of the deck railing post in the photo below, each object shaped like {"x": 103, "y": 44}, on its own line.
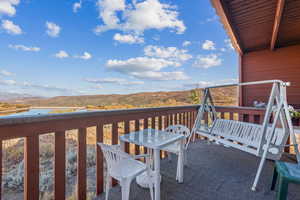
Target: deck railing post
{"x": 137, "y": 128}
{"x": 31, "y": 157}
{"x": 126, "y": 131}
{"x": 115, "y": 139}
{"x": 60, "y": 166}
{"x": 81, "y": 164}
{"x": 99, "y": 160}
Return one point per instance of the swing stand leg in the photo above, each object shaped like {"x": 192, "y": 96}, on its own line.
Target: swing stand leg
{"x": 258, "y": 173}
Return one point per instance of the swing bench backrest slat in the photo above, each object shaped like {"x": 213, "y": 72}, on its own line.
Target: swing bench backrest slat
{"x": 245, "y": 136}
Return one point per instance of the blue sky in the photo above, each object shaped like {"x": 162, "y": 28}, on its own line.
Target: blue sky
{"x": 74, "y": 47}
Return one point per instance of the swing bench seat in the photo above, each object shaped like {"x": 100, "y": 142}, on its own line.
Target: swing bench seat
{"x": 244, "y": 136}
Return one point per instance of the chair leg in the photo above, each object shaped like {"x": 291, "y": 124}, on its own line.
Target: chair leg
{"x": 107, "y": 186}
{"x": 282, "y": 189}
{"x": 258, "y": 173}
{"x": 125, "y": 186}
{"x": 180, "y": 166}
{"x": 274, "y": 180}
{"x": 185, "y": 158}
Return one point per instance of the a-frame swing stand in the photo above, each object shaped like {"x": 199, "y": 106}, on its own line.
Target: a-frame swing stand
{"x": 265, "y": 140}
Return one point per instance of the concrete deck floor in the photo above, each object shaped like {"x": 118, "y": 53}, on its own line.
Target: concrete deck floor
{"x": 213, "y": 172}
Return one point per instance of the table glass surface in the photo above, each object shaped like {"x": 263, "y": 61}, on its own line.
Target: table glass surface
{"x": 151, "y": 138}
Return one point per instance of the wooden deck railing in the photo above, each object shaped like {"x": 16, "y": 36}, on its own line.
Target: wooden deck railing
{"x": 31, "y": 128}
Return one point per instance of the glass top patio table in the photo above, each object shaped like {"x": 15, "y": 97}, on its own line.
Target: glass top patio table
{"x": 151, "y": 138}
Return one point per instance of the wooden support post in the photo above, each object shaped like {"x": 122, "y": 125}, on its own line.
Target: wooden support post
{"x": 231, "y": 116}
{"x": 127, "y": 130}
{"x": 137, "y": 128}
{"x": 60, "y": 166}
{"x": 222, "y": 115}
{"x": 81, "y": 163}
{"x": 1, "y": 169}
{"x": 115, "y": 138}
{"x": 160, "y": 128}
{"x": 153, "y": 123}
{"x": 31, "y": 157}
{"x": 165, "y": 121}
{"x": 99, "y": 160}
{"x": 251, "y": 118}
{"x": 146, "y": 127}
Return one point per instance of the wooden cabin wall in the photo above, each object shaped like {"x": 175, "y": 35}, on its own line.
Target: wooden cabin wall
{"x": 283, "y": 64}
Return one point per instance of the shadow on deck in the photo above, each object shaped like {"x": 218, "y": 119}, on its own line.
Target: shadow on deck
{"x": 213, "y": 172}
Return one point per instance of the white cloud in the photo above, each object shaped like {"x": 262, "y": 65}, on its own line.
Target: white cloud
{"x": 210, "y": 19}
{"x": 97, "y": 86}
{"x": 138, "y": 16}
{"x": 61, "y": 54}
{"x": 53, "y": 29}
{"x": 186, "y": 43}
{"x": 7, "y": 7}
{"x": 140, "y": 64}
{"x": 76, "y": 6}
{"x": 118, "y": 81}
{"x": 228, "y": 44}
{"x": 105, "y": 80}
{"x": 208, "y": 45}
{"x": 24, "y": 48}
{"x": 8, "y": 82}
{"x": 171, "y": 53}
{"x": 45, "y": 87}
{"x": 156, "y": 37}
{"x": 203, "y": 84}
{"x": 107, "y": 12}
{"x": 207, "y": 61}
{"x": 133, "y": 83}
{"x": 128, "y": 38}
{"x": 161, "y": 76}
{"x": 6, "y": 73}
{"x": 11, "y": 28}
{"x": 147, "y": 68}
{"x": 85, "y": 56}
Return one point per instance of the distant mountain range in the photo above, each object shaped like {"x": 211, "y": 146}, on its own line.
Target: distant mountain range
{"x": 16, "y": 97}
{"x": 226, "y": 96}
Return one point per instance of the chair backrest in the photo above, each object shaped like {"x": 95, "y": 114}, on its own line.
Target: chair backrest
{"x": 179, "y": 129}
{"x": 113, "y": 155}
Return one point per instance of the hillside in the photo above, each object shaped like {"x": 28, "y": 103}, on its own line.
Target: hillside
{"x": 224, "y": 96}
{"x": 16, "y": 98}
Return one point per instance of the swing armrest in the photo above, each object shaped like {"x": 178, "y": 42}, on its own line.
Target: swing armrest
{"x": 288, "y": 145}
{"x": 141, "y": 156}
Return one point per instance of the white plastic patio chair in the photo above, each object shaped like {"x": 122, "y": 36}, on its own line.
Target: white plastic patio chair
{"x": 175, "y": 147}
{"x": 124, "y": 168}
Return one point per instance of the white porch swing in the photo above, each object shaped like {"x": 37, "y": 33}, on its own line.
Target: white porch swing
{"x": 265, "y": 140}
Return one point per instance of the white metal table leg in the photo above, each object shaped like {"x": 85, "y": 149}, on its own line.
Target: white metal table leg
{"x": 180, "y": 162}
{"x": 157, "y": 173}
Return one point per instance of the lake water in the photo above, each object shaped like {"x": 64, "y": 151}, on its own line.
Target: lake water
{"x": 32, "y": 112}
